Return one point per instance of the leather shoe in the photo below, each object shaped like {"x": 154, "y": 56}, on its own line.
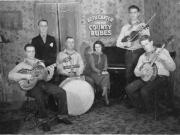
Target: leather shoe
{"x": 64, "y": 120}
{"x": 42, "y": 115}
{"x": 107, "y": 104}
{"x": 128, "y": 105}
{"x": 45, "y": 127}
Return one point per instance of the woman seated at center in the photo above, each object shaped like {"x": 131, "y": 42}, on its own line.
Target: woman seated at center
{"x": 98, "y": 66}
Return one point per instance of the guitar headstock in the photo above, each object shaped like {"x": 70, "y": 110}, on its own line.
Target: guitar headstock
{"x": 170, "y": 40}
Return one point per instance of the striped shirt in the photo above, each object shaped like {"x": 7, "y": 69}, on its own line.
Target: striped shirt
{"x": 69, "y": 62}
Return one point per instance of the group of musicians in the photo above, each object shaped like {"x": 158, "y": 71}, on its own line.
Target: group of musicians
{"x": 69, "y": 63}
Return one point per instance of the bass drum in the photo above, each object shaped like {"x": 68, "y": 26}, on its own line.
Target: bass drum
{"x": 80, "y": 95}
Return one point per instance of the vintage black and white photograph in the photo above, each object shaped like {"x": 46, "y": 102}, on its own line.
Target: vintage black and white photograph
{"x": 89, "y": 67}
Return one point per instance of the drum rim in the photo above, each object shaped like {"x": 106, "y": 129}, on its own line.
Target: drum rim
{"x": 69, "y": 79}
{"x": 63, "y": 83}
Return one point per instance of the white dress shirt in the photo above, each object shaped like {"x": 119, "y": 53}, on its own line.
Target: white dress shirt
{"x": 164, "y": 68}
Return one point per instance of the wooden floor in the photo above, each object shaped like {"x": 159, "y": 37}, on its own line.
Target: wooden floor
{"x": 99, "y": 119}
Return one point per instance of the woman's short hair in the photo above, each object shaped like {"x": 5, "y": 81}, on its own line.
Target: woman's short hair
{"x": 98, "y": 42}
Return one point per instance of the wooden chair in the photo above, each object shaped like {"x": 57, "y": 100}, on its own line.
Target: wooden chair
{"x": 168, "y": 94}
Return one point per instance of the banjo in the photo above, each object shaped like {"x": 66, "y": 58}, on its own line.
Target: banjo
{"x": 151, "y": 67}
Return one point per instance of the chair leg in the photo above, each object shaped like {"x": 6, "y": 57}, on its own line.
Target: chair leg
{"x": 123, "y": 95}
{"x": 30, "y": 116}
{"x": 155, "y": 106}
{"x": 26, "y": 109}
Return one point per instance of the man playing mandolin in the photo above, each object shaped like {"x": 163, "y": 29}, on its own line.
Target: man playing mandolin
{"x": 69, "y": 62}
{"x": 129, "y": 39}
{"x": 154, "y": 67}
{"x": 32, "y": 70}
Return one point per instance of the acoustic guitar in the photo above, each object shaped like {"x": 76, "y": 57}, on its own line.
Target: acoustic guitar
{"x": 36, "y": 72}
{"x": 134, "y": 35}
{"x": 151, "y": 67}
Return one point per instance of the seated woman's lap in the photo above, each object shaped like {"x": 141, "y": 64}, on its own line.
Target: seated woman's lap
{"x": 101, "y": 80}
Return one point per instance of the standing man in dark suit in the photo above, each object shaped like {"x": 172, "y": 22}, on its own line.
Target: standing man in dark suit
{"x": 45, "y": 44}
{"x": 46, "y": 50}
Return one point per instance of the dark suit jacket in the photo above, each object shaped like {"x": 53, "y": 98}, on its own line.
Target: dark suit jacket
{"x": 45, "y": 51}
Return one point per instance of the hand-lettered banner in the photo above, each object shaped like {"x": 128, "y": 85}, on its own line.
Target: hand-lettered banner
{"x": 100, "y": 25}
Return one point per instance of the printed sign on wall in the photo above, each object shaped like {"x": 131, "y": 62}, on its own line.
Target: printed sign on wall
{"x": 100, "y": 25}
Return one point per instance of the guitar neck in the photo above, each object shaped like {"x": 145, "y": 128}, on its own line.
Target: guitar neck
{"x": 53, "y": 65}
{"x": 146, "y": 25}
{"x": 156, "y": 56}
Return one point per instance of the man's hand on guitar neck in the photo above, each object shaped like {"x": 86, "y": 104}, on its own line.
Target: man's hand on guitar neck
{"x": 127, "y": 44}
{"x": 124, "y": 45}
{"x": 28, "y": 77}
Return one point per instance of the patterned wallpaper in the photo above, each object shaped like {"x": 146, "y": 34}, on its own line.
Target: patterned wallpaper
{"x": 13, "y": 51}
{"x": 118, "y": 8}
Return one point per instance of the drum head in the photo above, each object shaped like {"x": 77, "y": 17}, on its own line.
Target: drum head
{"x": 80, "y": 95}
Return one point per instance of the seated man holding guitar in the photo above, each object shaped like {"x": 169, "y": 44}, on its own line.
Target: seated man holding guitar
{"x": 32, "y": 76}
{"x": 153, "y": 67}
